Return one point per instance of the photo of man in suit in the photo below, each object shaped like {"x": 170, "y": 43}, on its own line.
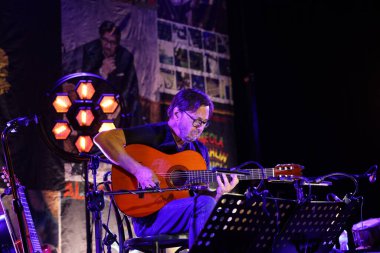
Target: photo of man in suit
{"x": 115, "y": 63}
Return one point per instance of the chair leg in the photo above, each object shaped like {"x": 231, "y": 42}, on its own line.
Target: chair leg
{"x": 156, "y": 248}
{"x": 180, "y": 249}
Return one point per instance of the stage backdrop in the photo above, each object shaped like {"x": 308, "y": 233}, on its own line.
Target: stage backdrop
{"x": 171, "y": 45}
{"x": 168, "y": 45}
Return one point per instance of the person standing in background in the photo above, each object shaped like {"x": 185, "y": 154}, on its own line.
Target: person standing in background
{"x": 107, "y": 58}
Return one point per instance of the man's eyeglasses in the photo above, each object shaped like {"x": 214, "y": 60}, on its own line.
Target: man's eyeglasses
{"x": 198, "y": 122}
{"x": 111, "y": 42}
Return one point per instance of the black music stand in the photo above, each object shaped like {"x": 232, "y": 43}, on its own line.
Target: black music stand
{"x": 315, "y": 226}
{"x": 239, "y": 225}
{"x": 264, "y": 224}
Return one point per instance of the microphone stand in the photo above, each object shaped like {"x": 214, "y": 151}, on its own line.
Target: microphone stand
{"x": 17, "y": 206}
{"x": 95, "y": 202}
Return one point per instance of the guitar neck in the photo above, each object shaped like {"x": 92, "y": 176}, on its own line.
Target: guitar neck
{"x": 34, "y": 240}
{"x": 207, "y": 176}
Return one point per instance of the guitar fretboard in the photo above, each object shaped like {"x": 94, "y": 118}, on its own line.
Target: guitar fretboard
{"x": 29, "y": 220}
{"x": 207, "y": 176}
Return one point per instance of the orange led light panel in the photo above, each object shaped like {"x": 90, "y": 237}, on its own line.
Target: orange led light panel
{"x": 84, "y": 143}
{"x": 108, "y": 103}
{"x": 61, "y": 130}
{"x": 85, "y": 90}
{"x": 106, "y": 126}
{"x": 62, "y": 103}
{"x": 85, "y": 117}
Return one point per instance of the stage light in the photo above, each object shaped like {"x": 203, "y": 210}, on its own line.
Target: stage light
{"x": 84, "y": 144}
{"x": 108, "y": 103}
{"x": 85, "y": 117}
{"x": 81, "y": 105}
{"x": 106, "y": 125}
{"x": 62, "y": 103}
{"x": 61, "y": 130}
{"x": 85, "y": 90}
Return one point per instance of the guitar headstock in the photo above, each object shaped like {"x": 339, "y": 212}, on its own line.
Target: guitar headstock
{"x": 287, "y": 171}
{"x": 6, "y": 178}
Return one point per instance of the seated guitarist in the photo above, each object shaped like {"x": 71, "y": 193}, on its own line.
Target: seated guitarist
{"x": 189, "y": 115}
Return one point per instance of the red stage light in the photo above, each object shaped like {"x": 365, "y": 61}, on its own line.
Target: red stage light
{"x": 85, "y": 117}
{"x": 85, "y": 90}
{"x": 84, "y": 144}
{"x": 61, "y": 130}
{"x": 82, "y": 105}
{"x": 108, "y": 103}
{"x": 62, "y": 103}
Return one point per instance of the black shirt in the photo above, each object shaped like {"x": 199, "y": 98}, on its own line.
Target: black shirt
{"x": 159, "y": 136}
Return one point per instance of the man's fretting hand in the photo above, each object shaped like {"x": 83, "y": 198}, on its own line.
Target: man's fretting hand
{"x": 225, "y": 185}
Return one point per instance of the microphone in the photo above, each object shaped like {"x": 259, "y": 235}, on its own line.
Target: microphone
{"x": 23, "y": 121}
{"x": 371, "y": 174}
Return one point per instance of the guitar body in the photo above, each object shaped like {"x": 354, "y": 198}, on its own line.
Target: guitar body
{"x": 180, "y": 170}
{"x": 12, "y": 222}
{"x": 168, "y": 169}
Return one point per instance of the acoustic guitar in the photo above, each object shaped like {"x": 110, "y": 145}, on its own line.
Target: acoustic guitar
{"x": 179, "y": 171}
{"x": 33, "y": 242}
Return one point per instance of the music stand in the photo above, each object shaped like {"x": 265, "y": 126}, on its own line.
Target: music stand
{"x": 315, "y": 226}
{"x": 238, "y": 225}
{"x": 265, "y": 224}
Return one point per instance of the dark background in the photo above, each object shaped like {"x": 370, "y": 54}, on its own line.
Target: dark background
{"x": 305, "y": 80}
{"x": 306, "y": 87}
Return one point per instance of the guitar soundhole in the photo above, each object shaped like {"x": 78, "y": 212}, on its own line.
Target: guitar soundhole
{"x": 178, "y": 176}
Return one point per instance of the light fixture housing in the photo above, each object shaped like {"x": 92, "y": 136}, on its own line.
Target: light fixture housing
{"x": 80, "y": 106}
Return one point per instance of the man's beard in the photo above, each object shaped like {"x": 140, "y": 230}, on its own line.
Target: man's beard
{"x": 192, "y": 135}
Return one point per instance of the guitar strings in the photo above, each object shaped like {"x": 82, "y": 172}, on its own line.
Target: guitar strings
{"x": 206, "y": 172}
{"x": 211, "y": 174}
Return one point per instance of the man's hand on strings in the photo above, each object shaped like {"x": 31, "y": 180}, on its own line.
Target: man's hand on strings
{"x": 225, "y": 185}
{"x": 146, "y": 178}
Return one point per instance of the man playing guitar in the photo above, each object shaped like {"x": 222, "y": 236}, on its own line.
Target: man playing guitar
{"x": 189, "y": 114}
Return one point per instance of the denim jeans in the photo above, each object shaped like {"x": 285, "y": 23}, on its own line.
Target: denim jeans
{"x": 187, "y": 215}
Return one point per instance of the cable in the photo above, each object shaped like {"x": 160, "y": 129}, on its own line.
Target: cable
{"x": 261, "y": 170}
{"x": 320, "y": 179}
